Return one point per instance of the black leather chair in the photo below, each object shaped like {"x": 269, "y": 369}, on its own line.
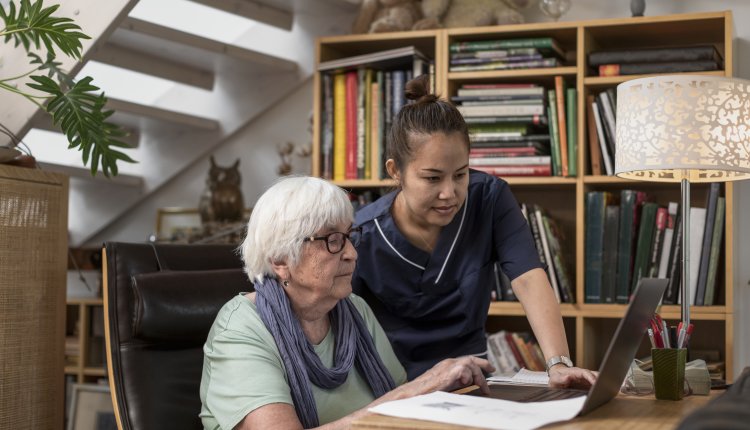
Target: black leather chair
{"x": 159, "y": 304}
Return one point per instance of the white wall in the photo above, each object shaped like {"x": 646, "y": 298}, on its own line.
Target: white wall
{"x": 288, "y": 121}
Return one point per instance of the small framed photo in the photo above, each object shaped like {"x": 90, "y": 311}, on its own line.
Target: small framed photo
{"x": 177, "y": 224}
{"x": 91, "y": 408}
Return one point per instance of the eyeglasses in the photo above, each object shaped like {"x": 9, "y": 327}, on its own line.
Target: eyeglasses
{"x": 336, "y": 241}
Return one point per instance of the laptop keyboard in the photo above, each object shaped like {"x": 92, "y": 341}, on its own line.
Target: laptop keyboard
{"x": 526, "y": 394}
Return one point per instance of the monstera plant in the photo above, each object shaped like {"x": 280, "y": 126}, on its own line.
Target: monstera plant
{"x": 77, "y": 107}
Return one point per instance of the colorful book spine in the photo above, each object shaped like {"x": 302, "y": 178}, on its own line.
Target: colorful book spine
{"x": 474, "y": 91}
{"x": 554, "y": 133}
{"x": 339, "y": 127}
{"x": 327, "y": 128}
{"x": 542, "y": 43}
{"x": 596, "y": 203}
{"x": 602, "y": 139}
{"x": 562, "y": 126}
{"x": 643, "y": 68}
{"x": 711, "y": 200}
{"x": 713, "y": 261}
{"x": 630, "y": 204}
{"x": 595, "y": 154}
{"x": 351, "y": 125}
{"x": 571, "y": 114}
{"x": 515, "y": 170}
{"x": 516, "y": 119}
{"x": 656, "y": 249}
{"x": 373, "y": 169}
{"x": 538, "y": 160}
{"x": 499, "y": 110}
{"x": 564, "y": 280}
{"x": 644, "y": 243}
{"x": 547, "y": 252}
{"x": 362, "y": 110}
{"x": 534, "y": 226}
{"x": 504, "y": 65}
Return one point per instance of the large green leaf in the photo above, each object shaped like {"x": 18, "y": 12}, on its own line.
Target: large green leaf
{"x": 33, "y": 23}
{"x": 78, "y": 111}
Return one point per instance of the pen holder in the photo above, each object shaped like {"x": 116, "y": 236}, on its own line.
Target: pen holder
{"x": 669, "y": 372}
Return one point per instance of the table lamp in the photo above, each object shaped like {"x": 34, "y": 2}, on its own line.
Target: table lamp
{"x": 683, "y": 128}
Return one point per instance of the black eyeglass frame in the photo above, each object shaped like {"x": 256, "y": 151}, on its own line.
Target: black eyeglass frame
{"x": 352, "y": 236}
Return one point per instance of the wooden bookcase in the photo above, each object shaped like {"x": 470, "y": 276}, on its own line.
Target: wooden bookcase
{"x": 89, "y": 366}
{"x": 589, "y": 326}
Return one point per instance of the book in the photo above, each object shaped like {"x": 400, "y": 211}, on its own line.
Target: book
{"x": 501, "y": 97}
{"x": 485, "y": 59}
{"x": 562, "y": 127}
{"x": 630, "y": 204}
{"x": 534, "y": 226}
{"x": 362, "y": 110}
{"x": 609, "y": 253}
{"x": 516, "y": 119}
{"x": 504, "y": 65}
{"x": 644, "y": 243}
{"x": 711, "y": 200}
{"x": 655, "y": 55}
{"x": 545, "y": 45}
{"x": 715, "y": 253}
{"x": 596, "y": 202}
{"x": 697, "y": 228}
{"x": 327, "y": 127}
{"x": 602, "y": 139}
{"x": 503, "y": 284}
{"x": 340, "y": 134}
{"x": 538, "y": 144}
{"x": 571, "y": 115}
{"x": 608, "y": 119}
{"x": 521, "y": 129}
{"x": 547, "y": 252}
{"x": 595, "y": 154}
{"x": 526, "y": 90}
{"x": 656, "y": 249}
{"x": 373, "y": 167}
{"x": 388, "y": 59}
{"x": 555, "y": 237}
{"x": 504, "y": 152}
{"x": 674, "y": 271}
{"x": 554, "y": 133}
{"x": 643, "y": 68}
{"x": 499, "y": 110}
{"x": 351, "y": 125}
{"x": 533, "y": 160}
{"x": 502, "y": 103}
{"x": 515, "y": 170}
{"x": 497, "y": 53}
{"x": 667, "y": 240}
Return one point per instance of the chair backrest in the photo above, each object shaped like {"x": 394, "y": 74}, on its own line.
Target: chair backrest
{"x": 159, "y": 304}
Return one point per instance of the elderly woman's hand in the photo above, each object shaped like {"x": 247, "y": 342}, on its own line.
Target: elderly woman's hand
{"x": 455, "y": 373}
{"x": 571, "y": 377}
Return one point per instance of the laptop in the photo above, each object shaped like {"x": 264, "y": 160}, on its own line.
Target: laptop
{"x": 614, "y": 368}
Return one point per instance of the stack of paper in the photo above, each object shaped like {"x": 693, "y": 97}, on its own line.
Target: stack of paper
{"x": 523, "y": 377}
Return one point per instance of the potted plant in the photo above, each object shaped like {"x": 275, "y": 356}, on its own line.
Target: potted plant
{"x": 76, "y": 106}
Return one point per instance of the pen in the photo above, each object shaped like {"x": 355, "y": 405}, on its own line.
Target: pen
{"x": 665, "y": 334}
{"x": 651, "y": 338}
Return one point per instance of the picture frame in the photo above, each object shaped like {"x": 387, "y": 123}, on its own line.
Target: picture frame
{"x": 183, "y": 225}
{"x": 91, "y": 408}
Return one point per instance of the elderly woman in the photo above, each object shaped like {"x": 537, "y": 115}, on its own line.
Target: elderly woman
{"x": 302, "y": 350}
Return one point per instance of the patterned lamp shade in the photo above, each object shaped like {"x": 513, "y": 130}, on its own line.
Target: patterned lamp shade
{"x": 678, "y": 127}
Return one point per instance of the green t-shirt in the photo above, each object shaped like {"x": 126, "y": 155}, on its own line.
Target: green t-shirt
{"x": 243, "y": 370}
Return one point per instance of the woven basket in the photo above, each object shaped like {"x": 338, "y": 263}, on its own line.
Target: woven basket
{"x": 33, "y": 263}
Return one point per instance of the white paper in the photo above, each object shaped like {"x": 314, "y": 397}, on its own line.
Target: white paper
{"x": 524, "y": 376}
{"x": 481, "y": 412}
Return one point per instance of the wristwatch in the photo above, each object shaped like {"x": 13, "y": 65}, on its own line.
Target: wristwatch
{"x": 558, "y": 359}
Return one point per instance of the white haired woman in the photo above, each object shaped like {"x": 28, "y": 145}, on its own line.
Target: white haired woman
{"x": 302, "y": 350}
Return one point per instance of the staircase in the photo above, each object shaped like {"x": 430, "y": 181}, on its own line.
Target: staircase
{"x": 211, "y": 88}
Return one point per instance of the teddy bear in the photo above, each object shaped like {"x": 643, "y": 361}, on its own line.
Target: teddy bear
{"x": 469, "y": 13}
{"x": 379, "y": 16}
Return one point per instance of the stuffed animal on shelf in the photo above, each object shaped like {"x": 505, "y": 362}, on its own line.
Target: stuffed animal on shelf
{"x": 380, "y": 16}
{"x": 469, "y": 13}
{"x": 222, "y": 199}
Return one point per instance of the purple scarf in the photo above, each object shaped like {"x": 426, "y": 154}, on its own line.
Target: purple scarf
{"x": 353, "y": 345}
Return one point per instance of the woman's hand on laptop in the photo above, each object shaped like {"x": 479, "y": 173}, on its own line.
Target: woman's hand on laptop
{"x": 561, "y": 376}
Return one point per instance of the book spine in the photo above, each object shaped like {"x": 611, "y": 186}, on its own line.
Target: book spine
{"x": 674, "y": 271}
{"x": 602, "y": 140}
{"x": 373, "y": 169}
{"x": 547, "y": 254}
{"x": 487, "y": 45}
{"x": 656, "y": 249}
{"x": 713, "y": 261}
{"x": 554, "y": 134}
{"x": 339, "y": 127}
{"x": 510, "y": 161}
{"x": 528, "y": 360}
{"x": 518, "y": 129}
{"x": 499, "y": 110}
{"x": 362, "y": 111}
{"x": 498, "y": 53}
{"x": 502, "y": 65}
{"x": 327, "y": 128}
{"x": 610, "y": 125}
{"x": 643, "y": 68}
{"x": 594, "y": 151}
{"x": 378, "y": 155}
{"x": 712, "y": 198}
{"x": 486, "y": 59}
{"x": 388, "y": 110}
{"x": 509, "y": 339}
{"x": 697, "y": 228}
{"x": 644, "y": 243}
{"x": 503, "y": 152}
{"x": 399, "y": 99}
{"x": 351, "y": 125}
{"x": 515, "y": 170}
{"x": 667, "y": 240}
{"x": 624, "y": 244}
{"x": 571, "y": 114}
{"x": 562, "y": 127}
{"x": 595, "y": 207}
{"x": 660, "y": 55}
{"x": 466, "y": 91}
{"x": 521, "y": 119}
{"x": 537, "y": 238}
{"x": 498, "y": 98}
{"x": 564, "y": 280}
{"x": 609, "y": 254}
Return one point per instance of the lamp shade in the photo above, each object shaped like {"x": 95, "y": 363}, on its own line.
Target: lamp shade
{"x": 675, "y": 127}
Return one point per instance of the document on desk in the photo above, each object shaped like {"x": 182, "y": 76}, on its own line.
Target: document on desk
{"x": 481, "y": 412}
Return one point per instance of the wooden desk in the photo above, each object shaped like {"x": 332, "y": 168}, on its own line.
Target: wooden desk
{"x": 623, "y": 412}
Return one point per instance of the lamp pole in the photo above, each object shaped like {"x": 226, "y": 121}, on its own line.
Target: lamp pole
{"x": 685, "y": 194}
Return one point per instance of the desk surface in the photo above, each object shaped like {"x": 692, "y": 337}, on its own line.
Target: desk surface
{"x": 623, "y": 412}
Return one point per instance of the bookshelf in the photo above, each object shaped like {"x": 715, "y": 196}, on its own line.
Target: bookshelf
{"x": 588, "y": 326}
{"x": 89, "y": 364}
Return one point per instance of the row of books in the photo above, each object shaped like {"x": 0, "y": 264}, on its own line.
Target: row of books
{"x": 601, "y": 111}
{"x": 548, "y": 239}
{"x": 509, "y": 352}
{"x": 633, "y": 238}
{"x": 698, "y": 58}
{"x": 505, "y": 54}
{"x": 361, "y": 95}
{"x": 521, "y": 129}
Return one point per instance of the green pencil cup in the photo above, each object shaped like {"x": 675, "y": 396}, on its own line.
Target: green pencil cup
{"x": 669, "y": 372}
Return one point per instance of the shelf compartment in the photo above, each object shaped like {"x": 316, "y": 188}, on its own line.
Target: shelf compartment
{"x": 504, "y": 309}
{"x": 599, "y": 82}
{"x": 513, "y": 75}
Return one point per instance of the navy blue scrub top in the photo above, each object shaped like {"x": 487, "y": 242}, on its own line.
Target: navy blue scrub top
{"x": 435, "y": 306}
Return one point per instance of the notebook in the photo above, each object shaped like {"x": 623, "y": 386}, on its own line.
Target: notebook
{"x": 619, "y": 355}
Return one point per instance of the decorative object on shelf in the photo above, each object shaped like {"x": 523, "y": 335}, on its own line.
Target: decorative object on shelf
{"x": 554, "y": 8}
{"x": 380, "y": 16}
{"x": 222, "y": 199}
{"x": 683, "y": 128}
{"x": 637, "y": 7}
{"x": 286, "y": 150}
{"x": 76, "y": 106}
{"x": 469, "y": 13}
{"x": 183, "y": 225}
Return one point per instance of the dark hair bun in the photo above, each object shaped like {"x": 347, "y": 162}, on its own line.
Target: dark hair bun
{"x": 419, "y": 89}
